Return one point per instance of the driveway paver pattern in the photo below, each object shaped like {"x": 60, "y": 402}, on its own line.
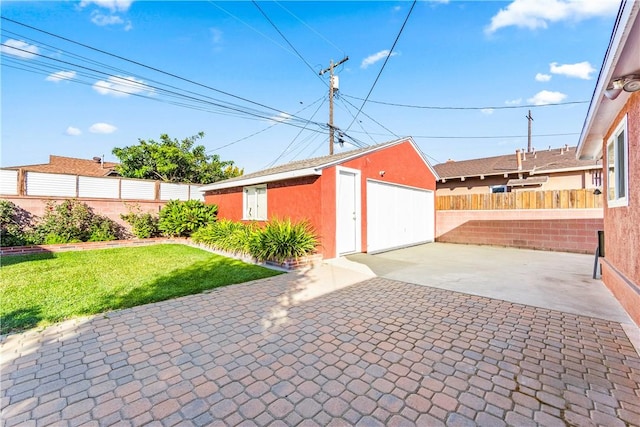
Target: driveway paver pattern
{"x": 380, "y": 352}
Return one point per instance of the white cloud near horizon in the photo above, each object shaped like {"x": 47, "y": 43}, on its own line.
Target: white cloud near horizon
{"x": 71, "y": 131}
{"x": 120, "y": 86}
{"x": 281, "y": 117}
{"x": 487, "y": 111}
{"x": 546, "y": 97}
{"x": 112, "y": 5}
{"x": 540, "y": 77}
{"x": 60, "y": 75}
{"x": 104, "y": 128}
{"x": 372, "y": 59}
{"x": 103, "y": 20}
{"x": 534, "y": 14}
{"x": 513, "y": 101}
{"x": 19, "y": 48}
{"x": 580, "y": 70}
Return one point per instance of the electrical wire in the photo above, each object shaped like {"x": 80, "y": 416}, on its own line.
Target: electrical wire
{"x": 260, "y": 131}
{"x": 384, "y": 64}
{"x": 287, "y": 40}
{"x": 309, "y": 27}
{"x": 292, "y": 141}
{"x": 141, "y": 64}
{"x": 432, "y": 107}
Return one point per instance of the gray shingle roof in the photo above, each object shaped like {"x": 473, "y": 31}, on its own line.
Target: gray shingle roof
{"x": 540, "y": 161}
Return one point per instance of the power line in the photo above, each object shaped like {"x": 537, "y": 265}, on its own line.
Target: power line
{"x": 384, "y": 64}
{"x": 260, "y": 131}
{"x": 293, "y": 140}
{"x": 310, "y": 28}
{"x": 483, "y": 136}
{"x": 142, "y": 65}
{"x": 285, "y": 39}
{"x": 432, "y": 107}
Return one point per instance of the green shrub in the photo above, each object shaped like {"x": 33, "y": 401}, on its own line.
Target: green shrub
{"x": 280, "y": 239}
{"x": 14, "y": 224}
{"x": 143, "y": 224}
{"x": 179, "y": 218}
{"x": 73, "y": 221}
{"x": 226, "y": 235}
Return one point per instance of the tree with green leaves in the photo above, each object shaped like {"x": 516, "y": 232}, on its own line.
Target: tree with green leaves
{"x": 171, "y": 160}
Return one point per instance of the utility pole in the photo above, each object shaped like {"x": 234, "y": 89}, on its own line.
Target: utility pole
{"x": 530, "y": 119}
{"x": 332, "y": 89}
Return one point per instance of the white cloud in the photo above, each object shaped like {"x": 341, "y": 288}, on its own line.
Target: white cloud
{"x": 513, "y": 101}
{"x": 372, "y": 59}
{"x": 73, "y": 131}
{"x": 120, "y": 86}
{"x": 61, "y": 75}
{"x": 487, "y": 111}
{"x": 547, "y": 97}
{"x": 216, "y": 35}
{"x": 533, "y": 14}
{"x": 542, "y": 77}
{"x": 19, "y": 48}
{"x": 281, "y": 117}
{"x": 112, "y": 5}
{"x": 104, "y": 20}
{"x": 580, "y": 70}
{"x": 102, "y": 128}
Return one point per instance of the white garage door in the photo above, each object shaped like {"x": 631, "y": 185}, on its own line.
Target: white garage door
{"x": 398, "y": 216}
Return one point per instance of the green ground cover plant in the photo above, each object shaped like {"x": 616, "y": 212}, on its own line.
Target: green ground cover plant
{"x": 37, "y": 290}
{"x": 278, "y": 240}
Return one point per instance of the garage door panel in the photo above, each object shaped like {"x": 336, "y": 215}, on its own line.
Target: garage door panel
{"x": 398, "y": 216}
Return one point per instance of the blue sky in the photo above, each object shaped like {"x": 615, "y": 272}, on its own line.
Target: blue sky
{"x": 80, "y": 78}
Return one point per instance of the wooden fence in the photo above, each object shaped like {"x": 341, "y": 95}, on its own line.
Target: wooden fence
{"x": 549, "y": 199}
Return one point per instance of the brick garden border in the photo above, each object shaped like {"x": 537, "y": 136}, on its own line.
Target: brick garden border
{"x": 289, "y": 265}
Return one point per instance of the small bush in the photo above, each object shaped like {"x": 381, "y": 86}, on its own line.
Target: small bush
{"x": 277, "y": 241}
{"x": 226, "y": 235}
{"x": 73, "y": 221}
{"x": 143, "y": 224}
{"x": 280, "y": 240}
{"x": 14, "y": 224}
{"x": 183, "y": 218}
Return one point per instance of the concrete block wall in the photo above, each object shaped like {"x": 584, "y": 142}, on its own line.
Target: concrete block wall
{"x": 570, "y": 230}
{"x": 105, "y": 207}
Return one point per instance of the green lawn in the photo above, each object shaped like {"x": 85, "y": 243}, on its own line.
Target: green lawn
{"x": 37, "y": 290}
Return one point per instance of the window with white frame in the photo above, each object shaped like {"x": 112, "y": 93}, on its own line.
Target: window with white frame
{"x": 255, "y": 203}
{"x": 617, "y": 166}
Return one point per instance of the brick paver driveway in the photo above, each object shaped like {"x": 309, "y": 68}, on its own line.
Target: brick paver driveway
{"x": 380, "y": 352}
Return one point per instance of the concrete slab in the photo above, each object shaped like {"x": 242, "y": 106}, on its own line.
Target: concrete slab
{"x": 553, "y": 280}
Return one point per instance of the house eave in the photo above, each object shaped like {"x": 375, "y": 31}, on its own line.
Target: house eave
{"x": 299, "y": 173}
{"x": 618, "y": 61}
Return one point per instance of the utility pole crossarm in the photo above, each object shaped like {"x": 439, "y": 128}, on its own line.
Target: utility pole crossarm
{"x": 331, "y": 93}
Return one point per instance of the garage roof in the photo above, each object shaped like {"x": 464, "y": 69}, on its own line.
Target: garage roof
{"x": 308, "y": 167}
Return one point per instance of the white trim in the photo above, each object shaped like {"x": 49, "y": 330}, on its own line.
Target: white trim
{"x": 358, "y": 206}
{"x": 620, "y": 128}
{"x": 245, "y": 189}
{"x": 262, "y": 179}
{"x": 395, "y": 184}
{"x": 317, "y": 170}
{"x": 589, "y": 143}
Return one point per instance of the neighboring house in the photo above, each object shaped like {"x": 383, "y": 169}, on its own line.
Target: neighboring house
{"x": 612, "y": 133}
{"x": 72, "y": 166}
{"x": 552, "y": 169}
{"x": 366, "y": 200}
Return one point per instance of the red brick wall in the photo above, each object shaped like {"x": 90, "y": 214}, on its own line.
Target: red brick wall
{"x": 109, "y": 208}
{"x": 572, "y": 230}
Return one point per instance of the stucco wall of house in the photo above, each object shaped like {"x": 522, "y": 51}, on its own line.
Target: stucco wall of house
{"x": 622, "y": 224}
{"x": 401, "y": 165}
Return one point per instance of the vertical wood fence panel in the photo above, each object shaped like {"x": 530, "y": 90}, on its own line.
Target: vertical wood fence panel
{"x": 549, "y": 199}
